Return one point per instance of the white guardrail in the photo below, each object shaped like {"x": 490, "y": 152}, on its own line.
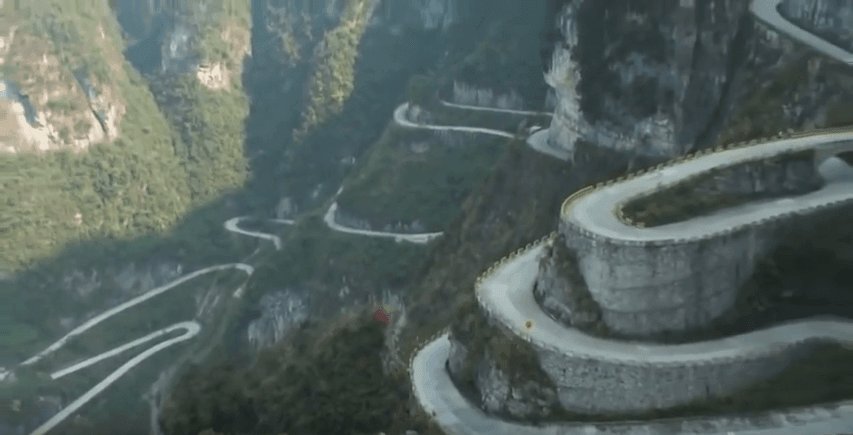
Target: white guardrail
{"x": 571, "y": 199}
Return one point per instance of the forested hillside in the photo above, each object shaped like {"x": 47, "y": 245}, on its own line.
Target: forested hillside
{"x": 132, "y": 130}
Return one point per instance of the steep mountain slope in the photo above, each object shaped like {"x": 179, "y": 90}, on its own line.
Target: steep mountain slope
{"x": 285, "y": 95}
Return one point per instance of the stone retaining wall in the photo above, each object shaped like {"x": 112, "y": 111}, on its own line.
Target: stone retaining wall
{"x": 651, "y": 287}
{"x": 625, "y": 383}
{"x": 596, "y": 386}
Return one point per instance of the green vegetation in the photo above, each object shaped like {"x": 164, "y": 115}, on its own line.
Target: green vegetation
{"x": 126, "y": 189}
{"x": 704, "y": 194}
{"x": 320, "y": 260}
{"x": 413, "y": 176}
{"x": 510, "y": 354}
{"x": 763, "y": 113}
{"x": 333, "y": 77}
{"x": 500, "y": 49}
{"x": 211, "y": 127}
{"x": 316, "y": 393}
{"x": 518, "y": 203}
{"x": 123, "y": 407}
{"x": 118, "y": 201}
{"x": 839, "y": 114}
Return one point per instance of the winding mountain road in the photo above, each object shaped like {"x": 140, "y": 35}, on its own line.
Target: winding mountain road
{"x": 767, "y": 11}
{"x": 120, "y": 349}
{"x": 233, "y": 225}
{"x": 506, "y": 293}
{"x": 401, "y": 119}
{"x": 494, "y": 109}
{"x": 94, "y": 321}
{"x": 419, "y": 238}
{"x": 595, "y": 213}
{"x": 190, "y": 328}
{"x": 539, "y": 142}
{"x": 439, "y": 397}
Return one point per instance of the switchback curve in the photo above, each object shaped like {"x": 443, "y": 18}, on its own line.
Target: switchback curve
{"x": 401, "y": 120}
{"x": 419, "y": 238}
{"x": 767, "y": 11}
{"x": 190, "y": 328}
{"x": 456, "y": 415}
{"x": 233, "y": 225}
{"x": 94, "y": 321}
{"x": 596, "y": 210}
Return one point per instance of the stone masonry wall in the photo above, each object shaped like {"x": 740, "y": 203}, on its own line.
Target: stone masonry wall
{"x": 645, "y": 289}
{"x": 601, "y": 387}
{"x": 623, "y": 382}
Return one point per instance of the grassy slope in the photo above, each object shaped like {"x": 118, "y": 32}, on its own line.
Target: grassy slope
{"x": 396, "y": 184}
{"x": 323, "y": 261}
{"x": 764, "y": 113}
{"x": 131, "y": 193}
{"x": 321, "y": 394}
{"x": 517, "y": 204}
{"x": 127, "y": 189}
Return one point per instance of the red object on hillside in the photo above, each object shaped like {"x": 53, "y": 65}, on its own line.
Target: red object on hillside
{"x": 381, "y": 316}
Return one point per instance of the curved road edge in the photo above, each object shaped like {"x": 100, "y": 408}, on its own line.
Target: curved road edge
{"x": 596, "y": 212}
{"x": 767, "y": 11}
{"x": 233, "y": 225}
{"x": 507, "y": 293}
{"x": 401, "y": 120}
{"x": 420, "y": 238}
{"x": 192, "y": 329}
{"x": 439, "y": 397}
{"x": 114, "y": 351}
{"x": 85, "y": 326}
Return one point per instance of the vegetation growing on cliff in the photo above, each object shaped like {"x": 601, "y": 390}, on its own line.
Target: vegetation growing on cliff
{"x": 333, "y": 77}
{"x": 518, "y": 203}
{"x": 706, "y": 193}
{"x": 210, "y": 124}
{"x": 316, "y": 393}
{"x": 418, "y": 177}
{"x": 807, "y": 80}
{"x": 510, "y": 354}
{"x": 149, "y": 177}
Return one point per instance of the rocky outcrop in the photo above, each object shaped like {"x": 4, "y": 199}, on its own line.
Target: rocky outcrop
{"x": 674, "y": 76}
{"x": 500, "y": 387}
{"x": 472, "y": 95}
{"x": 561, "y": 290}
{"x": 209, "y": 40}
{"x": 281, "y": 311}
{"x": 653, "y": 82}
{"x": 49, "y": 103}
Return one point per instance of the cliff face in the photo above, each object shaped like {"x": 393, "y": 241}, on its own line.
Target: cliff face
{"x": 54, "y": 94}
{"x": 659, "y": 79}
{"x": 648, "y": 77}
